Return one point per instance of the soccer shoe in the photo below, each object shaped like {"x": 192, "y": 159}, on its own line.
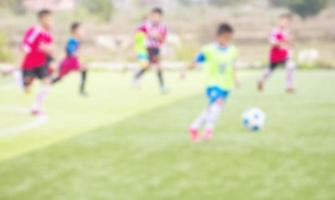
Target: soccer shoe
{"x": 194, "y": 135}
{"x": 260, "y": 86}
{"x": 136, "y": 84}
{"x": 208, "y": 135}
{"x": 83, "y": 94}
{"x": 290, "y": 90}
{"x": 164, "y": 90}
{"x": 37, "y": 112}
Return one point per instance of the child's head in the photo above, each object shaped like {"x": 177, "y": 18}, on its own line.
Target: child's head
{"x": 156, "y": 15}
{"x": 224, "y": 34}
{"x": 44, "y": 18}
{"x": 76, "y": 30}
{"x": 284, "y": 20}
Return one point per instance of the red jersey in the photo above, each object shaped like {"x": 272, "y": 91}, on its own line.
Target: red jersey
{"x": 33, "y": 39}
{"x": 152, "y": 31}
{"x": 278, "y": 52}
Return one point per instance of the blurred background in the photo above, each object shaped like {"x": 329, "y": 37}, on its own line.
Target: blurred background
{"x": 110, "y": 26}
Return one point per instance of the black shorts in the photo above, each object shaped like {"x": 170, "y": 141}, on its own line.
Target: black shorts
{"x": 154, "y": 55}
{"x": 30, "y": 74}
{"x": 275, "y": 65}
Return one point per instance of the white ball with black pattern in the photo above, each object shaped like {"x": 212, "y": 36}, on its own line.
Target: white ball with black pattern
{"x": 254, "y": 119}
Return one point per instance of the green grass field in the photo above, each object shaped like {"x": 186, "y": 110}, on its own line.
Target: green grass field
{"x": 122, "y": 144}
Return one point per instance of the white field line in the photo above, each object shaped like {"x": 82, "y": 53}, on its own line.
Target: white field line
{"x": 12, "y": 131}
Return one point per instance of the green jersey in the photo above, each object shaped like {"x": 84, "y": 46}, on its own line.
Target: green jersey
{"x": 219, "y": 63}
{"x": 140, "y": 43}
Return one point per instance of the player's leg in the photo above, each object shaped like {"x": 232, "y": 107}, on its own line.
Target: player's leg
{"x": 139, "y": 74}
{"x": 213, "y": 114}
{"x": 28, "y": 78}
{"x": 290, "y": 68}
{"x": 143, "y": 59}
{"x": 265, "y": 75}
{"x": 42, "y": 74}
{"x": 83, "y": 81}
{"x": 217, "y": 98}
{"x": 16, "y": 73}
{"x": 197, "y": 124}
{"x": 160, "y": 77}
{"x": 64, "y": 68}
{"x": 155, "y": 59}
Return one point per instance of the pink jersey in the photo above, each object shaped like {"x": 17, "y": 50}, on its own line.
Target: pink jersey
{"x": 34, "y": 56}
{"x": 156, "y": 34}
{"x": 279, "y": 53}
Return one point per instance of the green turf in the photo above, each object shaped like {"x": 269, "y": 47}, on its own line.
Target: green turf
{"x": 147, "y": 154}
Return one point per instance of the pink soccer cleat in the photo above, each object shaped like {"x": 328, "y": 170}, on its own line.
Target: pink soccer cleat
{"x": 194, "y": 134}
{"x": 208, "y": 135}
{"x": 37, "y": 112}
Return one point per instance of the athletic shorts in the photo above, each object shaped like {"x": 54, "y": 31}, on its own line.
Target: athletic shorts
{"x": 278, "y": 54}
{"x": 216, "y": 93}
{"x": 275, "y": 65}
{"x": 154, "y": 55}
{"x": 69, "y": 64}
{"x": 30, "y": 74}
{"x": 142, "y": 57}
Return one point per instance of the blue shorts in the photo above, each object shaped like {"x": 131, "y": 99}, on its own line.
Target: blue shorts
{"x": 216, "y": 93}
{"x": 142, "y": 57}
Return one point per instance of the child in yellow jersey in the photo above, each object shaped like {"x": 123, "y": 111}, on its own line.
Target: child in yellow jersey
{"x": 141, "y": 50}
{"x": 218, "y": 60}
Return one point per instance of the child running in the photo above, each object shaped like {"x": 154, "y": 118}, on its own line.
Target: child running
{"x": 37, "y": 47}
{"x": 141, "y": 48}
{"x": 71, "y": 61}
{"x": 155, "y": 34}
{"x": 219, "y": 62}
{"x": 280, "y": 53}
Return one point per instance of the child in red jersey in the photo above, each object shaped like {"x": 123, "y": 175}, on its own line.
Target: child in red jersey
{"x": 71, "y": 61}
{"x": 280, "y": 53}
{"x": 156, "y": 33}
{"x": 37, "y": 46}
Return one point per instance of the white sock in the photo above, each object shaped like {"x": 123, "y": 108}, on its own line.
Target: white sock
{"x": 290, "y": 67}
{"x": 18, "y": 78}
{"x": 213, "y": 116}
{"x": 200, "y": 120}
{"x": 265, "y": 75}
{"x": 41, "y": 96}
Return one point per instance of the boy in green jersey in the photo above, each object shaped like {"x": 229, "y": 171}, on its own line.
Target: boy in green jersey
{"x": 141, "y": 50}
{"x": 218, "y": 60}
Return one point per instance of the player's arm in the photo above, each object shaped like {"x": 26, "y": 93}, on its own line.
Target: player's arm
{"x": 236, "y": 80}
{"x": 47, "y": 48}
{"x": 163, "y": 35}
{"x": 199, "y": 59}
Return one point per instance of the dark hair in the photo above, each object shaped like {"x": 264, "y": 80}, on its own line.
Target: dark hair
{"x": 44, "y": 12}
{"x": 224, "y": 28}
{"x": 74, "y": 26}
{"x": 286, "y": 16}
{"x": 157, "y": 11}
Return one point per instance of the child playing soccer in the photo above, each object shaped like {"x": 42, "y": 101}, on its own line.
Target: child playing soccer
{"x": 155, "y": 34}
{"x": 219, "y": 63}
{"x": 141, "y": 50}
{"x": 71, "y": 61}
{"x": 280, "y": 53}
{"x": 37, "y": 47}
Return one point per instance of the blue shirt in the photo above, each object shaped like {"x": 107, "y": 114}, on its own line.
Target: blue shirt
{"x": 72, "y": 46}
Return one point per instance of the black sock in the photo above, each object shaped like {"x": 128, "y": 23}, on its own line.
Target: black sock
{"x": 160, "y": 78}
{"x": 56, "y": 80}
{"x": 83, "y": 81}
{"x": 140, "y": 73}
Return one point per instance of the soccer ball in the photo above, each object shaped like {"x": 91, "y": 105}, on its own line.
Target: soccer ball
{"x": 253, "y": 119}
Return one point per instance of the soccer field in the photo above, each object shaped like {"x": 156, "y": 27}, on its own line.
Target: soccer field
{"x": 122, "y": 143}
